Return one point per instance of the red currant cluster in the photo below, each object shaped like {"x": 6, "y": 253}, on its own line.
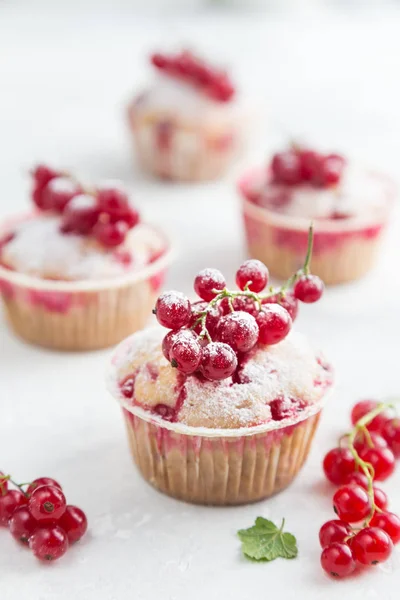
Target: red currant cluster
{"x": 365, "y": 531}
{"x": 212, "y": 336}
{"x": 39, "y": 516}
{"x": 298, "y": 165}
{"x": 188, "y": 67}
{"x": 104, "y": 213}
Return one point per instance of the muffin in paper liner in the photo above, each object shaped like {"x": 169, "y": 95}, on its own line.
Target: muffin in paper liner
{"x": 83, "y": 314}
{"x": 343, "y": 249}
{"x": 217, "y": 466}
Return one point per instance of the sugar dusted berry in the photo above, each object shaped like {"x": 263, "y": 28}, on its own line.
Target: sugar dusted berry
{"x": 308, "y": 289}
{"x": 239, "y": 330}
{"x": 173, "y": 310}
{"x": 110, "y": 235}
{"x": 42, "y": 174}
{"x": 208, "y": 283}
{"x": 252, "y": 274}
{"x": 81, "y": 215}
{"x": 286, "y": 168}
{"x": 185, "y": 354}
{"x": 58, "y": 193}
{"x": 212, "y": 318}
{"x": 219, "y": 361}
{"x": 287, "y": 300}
{"x": 274, "y": 324}
{"x": 173, "y": 336}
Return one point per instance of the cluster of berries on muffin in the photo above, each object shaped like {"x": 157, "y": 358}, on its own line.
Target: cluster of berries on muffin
{"x": 365, "y": 531}
{"x": 191, "y": 69}
{"x": 301, "y": 165}
{"x": 212, "y": 336}
{"x": 103, "y": 213}
{"x": 38, "y": 516}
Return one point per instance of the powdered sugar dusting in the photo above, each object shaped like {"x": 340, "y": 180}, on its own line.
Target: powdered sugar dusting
{"x": 39, "y": 248}
{"x": 82, "y": 201}
{"x": 62, "y": 184}
{"x": 286, "y": 371}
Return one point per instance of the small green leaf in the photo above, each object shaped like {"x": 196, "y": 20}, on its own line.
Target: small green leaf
{"x": 264, "y": 541}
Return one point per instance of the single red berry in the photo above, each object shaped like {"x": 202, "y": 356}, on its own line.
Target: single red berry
{"x": 337, "y": 560}
{"x": 382, "y": 460}
{"x": 391, "y": 433}
{"x": 252, "y": 274}
{"x": 371, "y": 440}
{"x": 338, "y": 464}
{"x": 58, "y": 193}
{"x": 42, "y": 481}
{"x": 159, "y": 60}
{"x": 274, "y": 323}
{"x": 49, "y": 543}
{"x": 219, "y": 361}
{"x": 286, "y": 168}
{"x": 114, "y": 203}
{"x": 287, "y": 300}
{"x": 380, "y": 498}
{"x": 12, "y": 500}
{"x": 310, "y": 162}
{"x": 42, "y": 175}
{"x": 388, "y": 522}
{"x": 333, "y": 531}
{"x": 185, "y": 354}
{"x": 22, "y": 524}
{"x": 331, "y": 170}
{"x": 172, "y": 337}
{"x": 364, "y": 407}
{"x": 351, "y": 503}
{"x": 371, "y": 546}
{"x": 47, "y": 503}
{"x": 127, "y": 386}
{"x": 239, "y": 330}
{"x": 80, "y": 215}
{"x": 208, "y": 283}
{"x": 173, "y": 310}
{"x": 110, "y": 234}
{"x": 308, "y": 289}
{"x": 3, "y": 484}
{"x": 74, "y": 523}
{"x": 212, "y": 319}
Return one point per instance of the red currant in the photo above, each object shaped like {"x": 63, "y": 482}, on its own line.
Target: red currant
{"x": 388, "y": 522}
{"x": 371, "y": 546}
{"x": 47, "y": 503}
{"x": 110, "y": 234}
{"x": 22, "y": 524}
{"x": 333, "y": 531}
{"x": 185, "y": 354}
{"x": 358, "y": 478}
{"x": 286, "y": 300}
{"x": 351, "y": 503}
{"x": 243, "y": 303}
{"x": 308, "y": 289}
{"x": 380, "y": 498}
{"x": 252, "y": 274}
{"x": 274, "y": 323}
{"x": 12, "y": 500}
{"x": 331, "y": 170}
{"x": 172, "y": 337}
{"x": 208, "y": 283}
{"x": 310, "y": 164}
{"x": 74, "y": 523}
{"x": 219, "y": 361}
{"x": 127, "y": 386}
{"x": 212, "y": 319}
{"x": 49, "y": 543}
{"x": 42, "y": 175}
{"x": 382, "y": 460}
{"x": 364, "y": 407}
{"x": 391, "y": 433}
{"x": 3, "y": 484}
{"x": 173, "y": 310}
{"x": 363, "y": 441}
{"x": 58, "y": 192}
{"x": 80, "y": 215}
{"x": 239, "y": 330}
{"x": 337, "y": 560}
{"x": 42, "y": 481}
{"x": 286, "y": 168}
{"x": 338, "y": 464}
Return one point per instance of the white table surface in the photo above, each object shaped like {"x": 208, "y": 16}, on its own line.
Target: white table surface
{"x": 64, "y": 79}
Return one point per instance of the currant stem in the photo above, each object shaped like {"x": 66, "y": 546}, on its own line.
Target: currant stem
{"x": 17, "y": 485}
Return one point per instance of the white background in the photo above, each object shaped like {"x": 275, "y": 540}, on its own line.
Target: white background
{"x": 66, "y": 73}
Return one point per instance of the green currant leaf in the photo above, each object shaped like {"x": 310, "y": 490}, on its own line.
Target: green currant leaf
{"x": 264, "y": 541}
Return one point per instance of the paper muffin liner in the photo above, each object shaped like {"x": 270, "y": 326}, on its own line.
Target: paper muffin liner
{"x": 171, "y": 149}
{"x": 81, "y": 315}
{"x": 219, "y": 467}
{"x": 343, "y": 250}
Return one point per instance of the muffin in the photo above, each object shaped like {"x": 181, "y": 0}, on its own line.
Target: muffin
{"x": 81, "y": 271}
{"x": 222, "y": 409}
{"x": 188, "y": 124}
{"x": 349, "y": 205}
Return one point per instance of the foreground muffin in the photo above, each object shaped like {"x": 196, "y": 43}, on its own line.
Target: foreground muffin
{"x": 222, "y": 409}
{"x": 350, "y": 207}
{"x": 188, "y": 124}
{"x": 81, "y": 271}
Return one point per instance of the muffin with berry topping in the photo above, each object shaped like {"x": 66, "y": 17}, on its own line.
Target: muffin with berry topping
{"x": 81, "y": 271}
{"x": 223, "y": 408}
{"x": 188, "y": 124}
{"x": 349, "y": 205}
